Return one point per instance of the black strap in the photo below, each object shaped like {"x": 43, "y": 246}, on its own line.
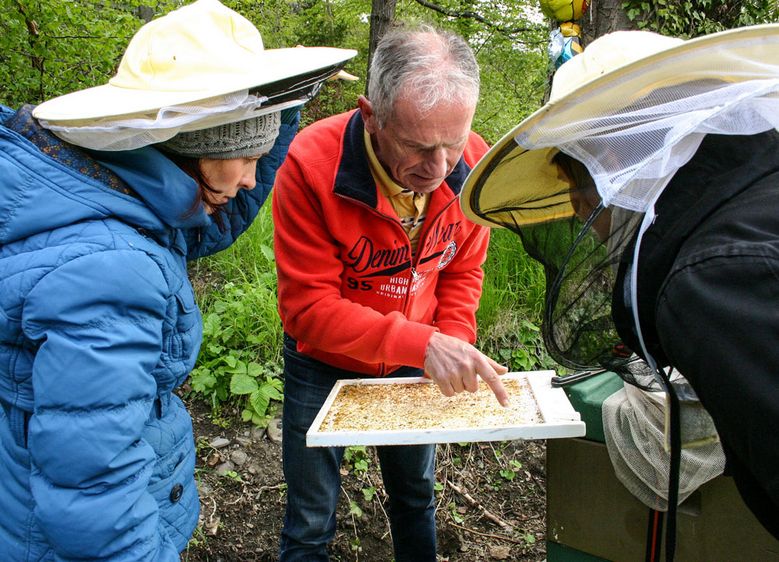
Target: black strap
{"x": 675, "y": 432}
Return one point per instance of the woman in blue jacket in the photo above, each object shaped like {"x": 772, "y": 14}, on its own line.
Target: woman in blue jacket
{"x": 98, "y": 321}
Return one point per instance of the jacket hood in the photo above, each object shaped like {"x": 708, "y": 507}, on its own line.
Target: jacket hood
{"x": 39, "y": 193}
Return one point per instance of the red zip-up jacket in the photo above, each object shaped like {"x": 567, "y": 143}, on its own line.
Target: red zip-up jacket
{"x": 349, "y": 291}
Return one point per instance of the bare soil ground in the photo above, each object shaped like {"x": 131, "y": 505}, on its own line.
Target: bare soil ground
{"x": 491, "y": 501}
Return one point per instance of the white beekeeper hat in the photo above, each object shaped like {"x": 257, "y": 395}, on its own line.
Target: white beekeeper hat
{"x": 633, "y": 108}
{"x": 200, "y": 66}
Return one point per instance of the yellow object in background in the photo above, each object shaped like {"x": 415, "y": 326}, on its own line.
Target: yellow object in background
{"x": 570, "y": 29}
{"x": 563, "y": 10}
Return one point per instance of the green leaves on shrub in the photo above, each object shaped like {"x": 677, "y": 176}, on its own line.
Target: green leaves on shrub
{"x": 54, "y": 47}
{"x": 690, "y": 18}
{"x": 239, "y": 359}
{"x": 356, "y": 458}
{"x": 261, "y": 386}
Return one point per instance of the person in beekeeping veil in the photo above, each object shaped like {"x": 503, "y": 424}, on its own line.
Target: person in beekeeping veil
{"x": 647, "y": 186}
{"x": 105, "y": 193}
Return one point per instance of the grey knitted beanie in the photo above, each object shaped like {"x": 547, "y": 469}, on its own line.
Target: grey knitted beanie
{"x": 244, "y": 139}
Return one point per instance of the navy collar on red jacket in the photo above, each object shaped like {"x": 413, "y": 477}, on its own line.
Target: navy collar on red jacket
{"x": 354, "y": 178}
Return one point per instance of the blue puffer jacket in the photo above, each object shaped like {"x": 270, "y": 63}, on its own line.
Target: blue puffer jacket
{"x": 98, "y": 325}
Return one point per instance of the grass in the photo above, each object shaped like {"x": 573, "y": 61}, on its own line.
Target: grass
{"x": 513, "y": 286}
{"x": 250, "y": 259}
{"x": 512, "y": 304}
{"x": 246, "y": 271}
{"x": 240, "y": 358}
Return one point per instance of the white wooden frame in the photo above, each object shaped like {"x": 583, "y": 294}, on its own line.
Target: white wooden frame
{"x": 559, "y": 419}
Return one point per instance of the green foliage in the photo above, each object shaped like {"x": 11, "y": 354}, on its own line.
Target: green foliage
{"x": 356, "y": 459}
{"x": 232, "y": 475}
{"x": 455, "y": 514}
{"x": 198, "y": 539}
{"x": 239, "y": 358}
{"x": 512, "y": 305}
{"x": 527, "y": 353}
{"x": 511, "y": 472}
{"x": 340, "y": 23}
{"x": 690, "y": 18}
{"x": 48, "y": 48}
{"x": 368, "y": 493}
{"x": 355, "y": 510}
{"x": 52, "y": 47}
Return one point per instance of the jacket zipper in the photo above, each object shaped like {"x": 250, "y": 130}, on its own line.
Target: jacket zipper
{"x": 415, "y": 259}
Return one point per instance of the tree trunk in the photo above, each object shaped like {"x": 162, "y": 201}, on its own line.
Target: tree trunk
{"x": 600, "y": 18}
{"x": 603, "y": 16}
{"x": 382, "y": 16}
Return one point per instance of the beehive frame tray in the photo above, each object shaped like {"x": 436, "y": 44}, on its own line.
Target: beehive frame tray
{"x": 397, "y": 411}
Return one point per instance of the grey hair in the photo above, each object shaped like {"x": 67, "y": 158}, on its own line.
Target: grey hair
{"x": 430, "y": 64}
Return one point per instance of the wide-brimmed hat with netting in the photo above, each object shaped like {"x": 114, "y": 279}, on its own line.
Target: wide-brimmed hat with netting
{"x": 632, "y": 108}
{"x": 200, "y": 66}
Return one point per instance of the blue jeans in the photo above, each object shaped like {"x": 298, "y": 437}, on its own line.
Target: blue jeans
{"x": 314, "y": 481}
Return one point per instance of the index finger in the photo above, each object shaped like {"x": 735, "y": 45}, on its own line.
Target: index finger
{"x": 489, "y": 376}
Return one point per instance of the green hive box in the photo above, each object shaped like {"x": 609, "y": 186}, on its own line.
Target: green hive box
{"x": 591, "y": 516}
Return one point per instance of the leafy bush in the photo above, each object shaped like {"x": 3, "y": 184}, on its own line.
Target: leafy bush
{"x": 54, "y": 47}
{"x": 239, "y": 359}
{"x": 690, "y": 18}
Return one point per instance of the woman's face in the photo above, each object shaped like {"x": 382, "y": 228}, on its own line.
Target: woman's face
{"x": 227, "y": 178}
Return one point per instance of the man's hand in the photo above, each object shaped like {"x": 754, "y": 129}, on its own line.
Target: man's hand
{"x": 455, "y": 366}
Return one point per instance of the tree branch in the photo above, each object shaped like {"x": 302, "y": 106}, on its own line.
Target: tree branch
{"x": 488, "y": 535}
{"x": 33, "y": 36}
{"x": 468, "y": 14}
{"x": 480, "y": 507}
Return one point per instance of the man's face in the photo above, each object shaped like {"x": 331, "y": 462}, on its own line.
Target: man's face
{"x": 419, "y": 150}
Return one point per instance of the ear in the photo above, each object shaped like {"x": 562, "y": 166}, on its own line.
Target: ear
{"x": 368, "y": 117}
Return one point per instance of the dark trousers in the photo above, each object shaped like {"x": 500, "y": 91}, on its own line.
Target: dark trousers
{"x": 314, "y": 480}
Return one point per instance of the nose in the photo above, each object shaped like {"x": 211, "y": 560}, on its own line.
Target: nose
{"x": 436, "y": 164}
{"x": 249, "y": 177}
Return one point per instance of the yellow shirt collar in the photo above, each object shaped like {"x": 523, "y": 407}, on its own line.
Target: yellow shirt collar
{"x": 389, "y": 187}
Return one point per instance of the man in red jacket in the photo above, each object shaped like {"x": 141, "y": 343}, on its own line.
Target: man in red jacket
{"x": 380, "y": 273}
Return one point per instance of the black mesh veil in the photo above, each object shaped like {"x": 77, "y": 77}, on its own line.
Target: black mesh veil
{"x": 580, "y": 244}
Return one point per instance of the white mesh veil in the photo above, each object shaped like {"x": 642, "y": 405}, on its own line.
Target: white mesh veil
{"x": 135, "y": 131}
{"x": 632, "y": 153}
{"x": 634, "y": 429}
